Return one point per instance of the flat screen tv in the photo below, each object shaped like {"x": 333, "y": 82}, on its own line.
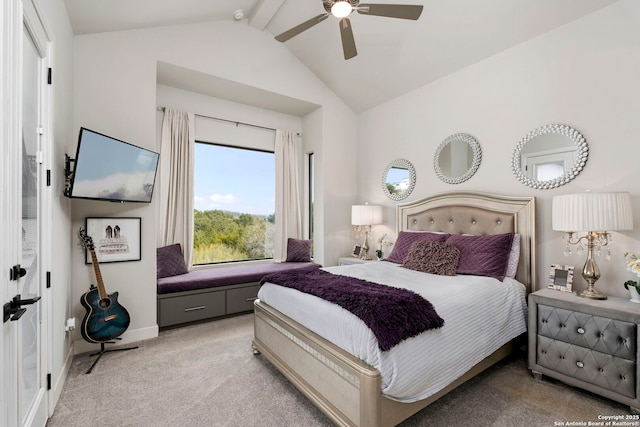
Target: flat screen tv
{"x": 108, "y": 169}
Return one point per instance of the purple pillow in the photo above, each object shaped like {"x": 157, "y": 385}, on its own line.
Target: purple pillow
{"x": 170, "y": 261}
{"x": 407, "y": 238}
{"x": 433, "y": 257}
{"x": 483, "y": 255}
{"x": 298, "y": 250}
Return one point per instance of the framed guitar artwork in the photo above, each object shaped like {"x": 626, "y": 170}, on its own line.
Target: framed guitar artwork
{"x": 115, "y": 239}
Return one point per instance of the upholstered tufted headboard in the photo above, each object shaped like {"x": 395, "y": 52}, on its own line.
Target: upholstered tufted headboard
{"x": 478, "y": 214}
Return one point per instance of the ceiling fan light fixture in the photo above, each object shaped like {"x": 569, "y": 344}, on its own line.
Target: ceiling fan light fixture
{"x": 341, "y": 9}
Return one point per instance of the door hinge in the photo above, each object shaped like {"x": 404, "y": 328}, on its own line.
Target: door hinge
{"x": 49, "y": 78}
{"x": 48, "y": 177}
{"x": 48, "y": 381}
{"x": 48, "y": 279}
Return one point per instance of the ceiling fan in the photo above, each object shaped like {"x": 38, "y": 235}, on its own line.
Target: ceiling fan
{"x": 342, "y": 9}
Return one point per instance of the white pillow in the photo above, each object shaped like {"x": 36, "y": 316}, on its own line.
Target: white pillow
{"x": 514, "y": 257}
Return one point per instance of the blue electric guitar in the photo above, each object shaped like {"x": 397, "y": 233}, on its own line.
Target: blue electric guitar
{"x": 105, "y": 318}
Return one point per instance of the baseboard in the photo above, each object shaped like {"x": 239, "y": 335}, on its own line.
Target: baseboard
{"x": 131, "y": 336}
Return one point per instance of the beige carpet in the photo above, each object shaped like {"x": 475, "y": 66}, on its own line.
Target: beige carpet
{"x": 207, "y": 375}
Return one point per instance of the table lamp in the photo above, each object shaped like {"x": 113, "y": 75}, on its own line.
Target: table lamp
{"x": 362, "y": 218}
{"x": 596, "y": 214}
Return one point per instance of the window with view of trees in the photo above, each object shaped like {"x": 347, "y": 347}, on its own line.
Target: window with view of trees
{"x": 234, "y": 204}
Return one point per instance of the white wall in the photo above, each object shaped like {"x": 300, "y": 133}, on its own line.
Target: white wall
{"x": 584, "y": 74}
{"x": 115, "y": 93}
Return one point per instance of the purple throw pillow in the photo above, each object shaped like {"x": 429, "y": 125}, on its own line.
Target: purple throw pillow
{"x": 298, "y": 250}
{"x": 483, "y": 255}
{"x": 170, "y": 261}
{"x": 407, "y": 238}
{"x": 433, "y": 257}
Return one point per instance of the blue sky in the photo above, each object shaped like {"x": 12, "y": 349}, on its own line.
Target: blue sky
{"x": 396, "y": 175}
{"x": 234, "y": 179}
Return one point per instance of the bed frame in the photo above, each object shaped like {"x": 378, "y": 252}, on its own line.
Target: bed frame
{"x": 345, "y": 388}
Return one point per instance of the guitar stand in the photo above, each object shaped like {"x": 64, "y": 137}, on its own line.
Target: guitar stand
{"x": 103, "y": 351}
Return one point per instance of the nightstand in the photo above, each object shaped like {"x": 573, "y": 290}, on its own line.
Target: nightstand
{"x": 352, "y": 260}
{"x": 591, "y": 344}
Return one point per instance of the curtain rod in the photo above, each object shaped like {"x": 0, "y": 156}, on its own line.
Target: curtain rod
{"x": 230, "y": 121}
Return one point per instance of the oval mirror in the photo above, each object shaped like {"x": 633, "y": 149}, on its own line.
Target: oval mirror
{"x": 549, "y": 156}
{"x": 457, "y": 158}
{"x": 398, "y": 179}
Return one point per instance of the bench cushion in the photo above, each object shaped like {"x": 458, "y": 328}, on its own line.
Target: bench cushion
{"x": 213, "y": 277}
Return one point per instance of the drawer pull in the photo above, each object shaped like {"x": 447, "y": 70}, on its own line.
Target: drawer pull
{"x": 580, "y": 365}
{"x": 251, "y": 299}
{"x": 200, "y": 307}
{"x": 580, "y": 331}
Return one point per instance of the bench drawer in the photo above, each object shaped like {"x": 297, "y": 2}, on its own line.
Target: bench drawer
{"x": 189, "y": 308}
{"x": 241, "y": 299}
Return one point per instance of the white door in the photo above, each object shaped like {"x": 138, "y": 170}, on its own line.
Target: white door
{"x": 24, "y": 345}
{"x": 30, "y": 344}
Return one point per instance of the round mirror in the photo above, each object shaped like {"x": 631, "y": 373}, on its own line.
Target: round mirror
{"x": 398, "y": 179}
{"x": 549, "y": 156}
{"x": 457, "y": 158}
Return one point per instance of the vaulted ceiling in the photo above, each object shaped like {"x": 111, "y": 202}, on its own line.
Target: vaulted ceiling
{"x": 394, "y": 57}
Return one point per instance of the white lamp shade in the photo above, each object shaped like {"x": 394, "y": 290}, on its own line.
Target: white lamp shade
{"x": 366, "y": 214}
{"x": 592, "y": 212}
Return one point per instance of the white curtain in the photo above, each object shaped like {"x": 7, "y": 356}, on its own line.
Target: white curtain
{"x": 288, "y": 212}
{"x": 176, "y": 188}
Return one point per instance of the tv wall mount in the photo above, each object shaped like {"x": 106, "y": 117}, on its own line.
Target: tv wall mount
{"x": 68, "y": 173}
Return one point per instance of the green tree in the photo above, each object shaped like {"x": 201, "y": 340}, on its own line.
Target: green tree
{"x": 221, "y": 236}
{"x": 253, "y": 240}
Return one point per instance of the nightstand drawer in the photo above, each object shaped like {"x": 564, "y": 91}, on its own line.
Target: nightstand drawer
{"x": 608, "y": 336}
{"x": 600, "y": 369}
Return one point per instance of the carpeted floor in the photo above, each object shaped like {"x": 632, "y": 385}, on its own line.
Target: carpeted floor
{"x": 207, "y": 375}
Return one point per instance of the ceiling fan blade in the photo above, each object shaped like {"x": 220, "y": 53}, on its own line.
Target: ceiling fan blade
{"x": 402, "y": 11}
{"x": 348, "y": 42}
{"x": 302, "y": 27}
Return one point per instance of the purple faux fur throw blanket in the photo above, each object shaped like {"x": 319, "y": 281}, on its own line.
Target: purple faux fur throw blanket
{"x": 392, "y": 314}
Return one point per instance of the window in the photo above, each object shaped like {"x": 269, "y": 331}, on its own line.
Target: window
{"x": 234, "y": 204}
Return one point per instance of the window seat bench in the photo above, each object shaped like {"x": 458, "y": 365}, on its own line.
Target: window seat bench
{"x": 209, "y": 293}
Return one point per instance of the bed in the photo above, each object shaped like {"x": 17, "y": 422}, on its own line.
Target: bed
{"x": 346, "y": 388}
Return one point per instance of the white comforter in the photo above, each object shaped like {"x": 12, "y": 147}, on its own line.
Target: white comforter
{"x": 480, "y": 313}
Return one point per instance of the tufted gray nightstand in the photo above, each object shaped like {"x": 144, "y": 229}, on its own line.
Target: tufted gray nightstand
{"x": 591, "y": 344}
